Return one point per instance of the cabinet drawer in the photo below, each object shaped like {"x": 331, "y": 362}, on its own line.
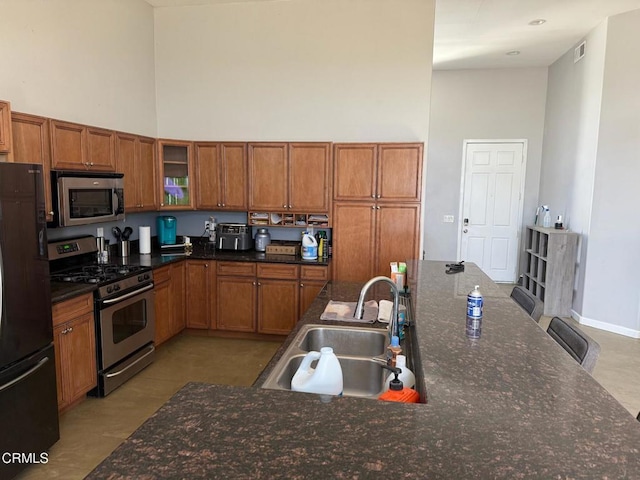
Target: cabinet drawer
{"x": 278, "y": 270}
{"x": 161, "y": 275}
{"x": 73, "y": 308}
{"x": 308, "y": 272}
{"x": 236, "y": 269}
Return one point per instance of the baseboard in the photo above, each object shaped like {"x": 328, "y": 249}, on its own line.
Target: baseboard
{"x": 607, "y": 327}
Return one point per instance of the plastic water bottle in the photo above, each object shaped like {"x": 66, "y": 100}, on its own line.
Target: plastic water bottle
{"x": 475, "y": 304}
{"x": 546, "y": 221}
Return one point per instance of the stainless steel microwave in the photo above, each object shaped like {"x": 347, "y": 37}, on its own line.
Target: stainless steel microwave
{"x": 81, "y": 198}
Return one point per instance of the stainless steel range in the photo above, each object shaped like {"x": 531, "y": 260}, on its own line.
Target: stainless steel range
{"x": 123, "y": 305}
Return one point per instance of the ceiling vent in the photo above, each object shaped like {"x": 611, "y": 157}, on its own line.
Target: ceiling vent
{"x": 578, "y": 53}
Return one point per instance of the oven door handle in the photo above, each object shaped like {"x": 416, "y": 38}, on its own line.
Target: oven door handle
{"x": 128, "y": 295}
{"x": 119, "y": 372}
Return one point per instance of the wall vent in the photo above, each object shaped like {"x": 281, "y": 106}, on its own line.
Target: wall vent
{"x": 578, "y": 53}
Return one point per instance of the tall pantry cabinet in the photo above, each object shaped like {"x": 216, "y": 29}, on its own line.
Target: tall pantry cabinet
{"x": 376, "y": 207}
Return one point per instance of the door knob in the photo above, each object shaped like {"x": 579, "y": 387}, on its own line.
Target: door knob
{"x": 465, "y": 230}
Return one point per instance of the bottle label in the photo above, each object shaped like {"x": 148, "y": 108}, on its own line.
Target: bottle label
{"x": 474, "y": 306}
{"x": 474, "y": 327}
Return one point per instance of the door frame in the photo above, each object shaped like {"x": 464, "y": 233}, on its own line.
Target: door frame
{"x": 523, "y": 182}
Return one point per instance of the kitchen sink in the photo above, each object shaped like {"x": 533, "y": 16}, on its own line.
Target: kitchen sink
{"x": 362, "y": 377}
{"x": 360, "y": 350}
{"x": 353, "y": 341}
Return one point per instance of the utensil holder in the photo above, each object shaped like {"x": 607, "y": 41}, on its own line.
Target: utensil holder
{"x": 123, "y": 248}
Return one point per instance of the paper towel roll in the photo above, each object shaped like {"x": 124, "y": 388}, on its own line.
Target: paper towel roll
{"x": 145, "y": 239}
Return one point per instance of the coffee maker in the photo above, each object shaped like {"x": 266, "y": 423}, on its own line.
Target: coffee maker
{"x": 166, "y": 227}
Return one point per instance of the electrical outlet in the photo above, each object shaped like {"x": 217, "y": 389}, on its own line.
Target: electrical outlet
{"x": 448, "y": 219}
{"x": 207, "y": 225}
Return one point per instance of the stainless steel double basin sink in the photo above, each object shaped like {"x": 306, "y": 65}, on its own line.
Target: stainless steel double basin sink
{"x": 361, "y": 351}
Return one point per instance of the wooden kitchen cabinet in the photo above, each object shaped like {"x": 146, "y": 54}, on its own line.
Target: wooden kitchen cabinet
{"x": 221, "y": 175}
{"x": 312, "y": 279}
{"x": 201, "y": 290}
{"x": 81, "y": 147}
{"x": 310, "y": 177}
{"x": 31, "y": 144}
{"x": 75, "y": 349}
{"x": 175, "y": 176}
{"x": 292, "y": 177}
{"x": 278, "y": 297}
{"x": 268, "y": 183}
{"x": 257, "y": 297}
{"x": 5, "y": 127}
{"x": 136, "y": 159}
{"x": 169, "y": 301}
{"x": 376, "y": 209}
{"x": 381, "y": 172}
{"x": 368, "y": 236}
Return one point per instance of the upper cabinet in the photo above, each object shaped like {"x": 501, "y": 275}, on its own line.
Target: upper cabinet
{"x": 136, "y": 158}
{"x": 175, "y": 176}
{"x": 382, "y": 172}
{"x": 290, "y": 177}
{"x": 221, "y": 175}
{"x": 31, "y": 144}
{"x": 80, "y": 147}
{"x": 5, "y": 127}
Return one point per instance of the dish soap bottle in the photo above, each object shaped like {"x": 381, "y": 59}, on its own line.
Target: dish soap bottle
{"x": 399, "y": 393}
{"x": 326, "y": 378}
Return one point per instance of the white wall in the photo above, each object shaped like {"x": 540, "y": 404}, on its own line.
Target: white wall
{"x": 612, "y": 286}
{"x": 334, "y": 70}
{"x": 89, "y": 61}
{"x": 572, "y": 126}
{"x": 478, "y": 104}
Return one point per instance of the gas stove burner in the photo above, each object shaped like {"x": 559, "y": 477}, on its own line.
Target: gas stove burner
{"x": 98, "y": 273}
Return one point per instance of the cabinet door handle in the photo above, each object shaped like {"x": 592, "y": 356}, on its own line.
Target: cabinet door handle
{"x": 51, "y": 213}
{"x": 373, "y": 195}
{"x": 378, "y": 207}
{"x": 378, "y": 196}
{"x": 302, "y": 285}
{"x": 373, "y": 207}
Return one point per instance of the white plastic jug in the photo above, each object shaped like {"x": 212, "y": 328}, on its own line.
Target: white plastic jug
{"x": 309, "y": 247}
{"x": 406, "y": 376}
{"x": 326, "y": 378}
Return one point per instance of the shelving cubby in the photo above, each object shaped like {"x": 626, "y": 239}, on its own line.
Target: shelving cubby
{"x": 550, "y": 267}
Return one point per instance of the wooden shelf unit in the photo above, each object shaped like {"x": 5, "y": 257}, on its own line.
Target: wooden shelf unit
{"x": 550, "y": 268}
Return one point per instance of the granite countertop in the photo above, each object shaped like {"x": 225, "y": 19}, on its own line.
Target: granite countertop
{"x": 511, "y": 404}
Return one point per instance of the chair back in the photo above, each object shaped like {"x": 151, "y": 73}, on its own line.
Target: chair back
{"x": 529, "y": 302}
{"x": 578, "y": 344}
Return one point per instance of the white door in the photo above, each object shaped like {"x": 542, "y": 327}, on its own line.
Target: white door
{"x": 491, "y": 207}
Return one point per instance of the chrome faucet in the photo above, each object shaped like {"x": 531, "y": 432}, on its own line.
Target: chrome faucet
{"x": 393, "y": 321}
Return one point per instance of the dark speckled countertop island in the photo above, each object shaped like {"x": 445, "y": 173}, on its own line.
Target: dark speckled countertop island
{"x": 509, "y": 405}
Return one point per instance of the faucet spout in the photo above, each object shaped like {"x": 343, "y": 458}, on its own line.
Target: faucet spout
{"x": 393, "y": 321}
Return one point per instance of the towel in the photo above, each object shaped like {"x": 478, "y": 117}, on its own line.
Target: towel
{"x": 343, "y": 311}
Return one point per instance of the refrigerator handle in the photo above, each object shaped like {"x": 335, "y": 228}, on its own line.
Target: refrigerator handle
{"x": 29, "y": 372}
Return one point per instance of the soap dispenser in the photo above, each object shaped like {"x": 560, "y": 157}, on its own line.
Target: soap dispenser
{"x": 398, "y": 392}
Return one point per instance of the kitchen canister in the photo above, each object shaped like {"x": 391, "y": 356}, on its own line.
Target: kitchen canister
{"x": 263, "y": 238}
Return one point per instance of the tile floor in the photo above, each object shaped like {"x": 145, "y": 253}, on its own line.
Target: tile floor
{"x": 93, "y": 429}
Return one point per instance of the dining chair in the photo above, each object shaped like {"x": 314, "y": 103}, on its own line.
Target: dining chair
{"x": 528, "y": 301}
{"x": 578, "y": 344}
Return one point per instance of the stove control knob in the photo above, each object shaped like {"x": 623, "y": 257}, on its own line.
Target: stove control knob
{"x": 116, "y": 287}
{"x": 146, "y": 276}
{"x": 109, "y": 289}
{"x": 140, "y": 278}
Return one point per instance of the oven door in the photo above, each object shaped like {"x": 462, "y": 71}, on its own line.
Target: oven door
{"x": 125, "y": 324}
{"x": 85, "y": 200}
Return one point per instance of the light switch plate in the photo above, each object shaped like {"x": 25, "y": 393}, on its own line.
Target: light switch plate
{"x": 448, "y": 219}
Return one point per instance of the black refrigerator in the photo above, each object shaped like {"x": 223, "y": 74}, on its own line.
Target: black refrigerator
{"x": 28, "y": 398}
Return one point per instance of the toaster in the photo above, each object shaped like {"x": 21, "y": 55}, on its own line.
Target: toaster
{"x": 234, "y": 236}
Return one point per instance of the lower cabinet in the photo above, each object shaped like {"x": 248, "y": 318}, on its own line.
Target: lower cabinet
{"x": 262, "y": 297}
{"x": 170, "y": 301}
{"x": 312, "y": 280}
{"x": 201, "y": 289}
{"x": 75, "y": 349}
